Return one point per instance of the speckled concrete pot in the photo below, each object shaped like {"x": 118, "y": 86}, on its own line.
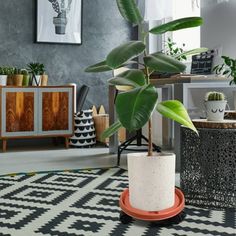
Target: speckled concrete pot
{"x": 151, "y": 181}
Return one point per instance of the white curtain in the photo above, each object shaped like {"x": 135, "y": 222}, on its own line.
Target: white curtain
{"x": 158, "y": 9}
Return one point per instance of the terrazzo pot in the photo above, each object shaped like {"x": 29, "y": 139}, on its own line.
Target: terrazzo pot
{"x": 151, "y": 181}
{"x": 84, "y": 135}
{"x": 3, "y": 80}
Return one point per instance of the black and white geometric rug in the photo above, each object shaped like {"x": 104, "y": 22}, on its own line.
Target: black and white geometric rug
{"x": 85, "y": 203}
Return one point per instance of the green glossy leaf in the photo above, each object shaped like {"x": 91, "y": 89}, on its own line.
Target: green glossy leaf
{"x": 123, "y": 53}
{"x": 99, "y": 67}
{"x": 192, "y": 52}
{"x": 135, "y": 107}
{"x": 163, "y": 63}
{"x": 175, "y": 110}
{"x": 134, "y": 78}
{"x": 183, "y": 23}
{"x": 129, "y": 11}
{"x": 111, "y": 130}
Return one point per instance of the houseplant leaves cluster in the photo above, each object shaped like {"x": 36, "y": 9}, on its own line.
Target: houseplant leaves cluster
{"x": 134, "y": 107}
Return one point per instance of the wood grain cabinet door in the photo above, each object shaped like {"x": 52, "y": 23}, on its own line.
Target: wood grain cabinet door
{"x": 19, "y": 112}
{"x": 55, "y": 111}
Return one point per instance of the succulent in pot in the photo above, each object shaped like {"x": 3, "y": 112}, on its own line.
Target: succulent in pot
{"x": 3, "y": 76}
{"x": 215, "y": 103}
{"x": 17, "y": 77}
{"x": 10, "y": 74}
{"x": 26, "y": 77}
{"x": 37, "y": 70}
{"x": 151, "y": 175}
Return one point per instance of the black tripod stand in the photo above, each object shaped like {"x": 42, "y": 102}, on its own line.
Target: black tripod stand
{"x": 138, "y": 137}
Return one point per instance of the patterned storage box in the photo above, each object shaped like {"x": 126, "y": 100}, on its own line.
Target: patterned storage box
{"x": 85, "y": 135}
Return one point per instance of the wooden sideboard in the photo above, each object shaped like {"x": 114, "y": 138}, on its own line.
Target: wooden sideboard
{"x": 35, "y": 112}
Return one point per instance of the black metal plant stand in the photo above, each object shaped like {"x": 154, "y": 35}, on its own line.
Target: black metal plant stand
{"x": 138, "y": 137}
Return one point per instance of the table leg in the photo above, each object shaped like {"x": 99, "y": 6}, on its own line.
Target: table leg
{"x": 4, "y": 145}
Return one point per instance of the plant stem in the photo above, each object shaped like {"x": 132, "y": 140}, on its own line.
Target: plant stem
{"x": 150, "y": 146}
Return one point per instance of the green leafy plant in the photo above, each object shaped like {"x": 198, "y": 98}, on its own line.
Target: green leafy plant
{"x": 214, "y": 96}
{"x": 17, "y": 71}
{"x": 36, "y": 68}
{"x": 228, "y": 68}
{"x": 24, "y": 72}
{"x": 173, "y": 50}
{"x": 135, "y": 107}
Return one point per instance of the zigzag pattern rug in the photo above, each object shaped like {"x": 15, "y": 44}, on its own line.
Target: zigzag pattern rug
{"x": 85, "y": 203}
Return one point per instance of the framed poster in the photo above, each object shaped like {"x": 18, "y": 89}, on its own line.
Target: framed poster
{"x": 59, "y": 21}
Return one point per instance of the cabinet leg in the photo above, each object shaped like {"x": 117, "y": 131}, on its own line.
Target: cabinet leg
{"x": 4, "y": 145}
{"x": 66, "y": 143}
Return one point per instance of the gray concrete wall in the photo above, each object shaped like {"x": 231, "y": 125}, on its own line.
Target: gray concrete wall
{"x": 103, "y": 28}
{"x": 219, "y": 26}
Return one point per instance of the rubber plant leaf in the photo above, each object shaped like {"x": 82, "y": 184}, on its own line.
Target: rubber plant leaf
{"x": 99, "y": 67}
{"x": 134, "y": 78}
{"x": 164, "y": 63}
{"x": 182, "y": 23}
{"x": 124, "y": 53}
{"x": 129, "y": 10}
{"x": 192, "y": 52}
{"x": 111, "y": 130}
{"x": 135, "y": 107}
{"x": 176, "y": 111}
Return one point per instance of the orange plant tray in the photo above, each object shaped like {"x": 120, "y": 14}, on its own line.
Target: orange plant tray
{"x": 152, "y": 215}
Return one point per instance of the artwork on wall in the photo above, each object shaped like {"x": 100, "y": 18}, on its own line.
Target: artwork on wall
{"x": 59, "y": 21}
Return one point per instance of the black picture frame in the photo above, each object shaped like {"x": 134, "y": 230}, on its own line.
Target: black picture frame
{"x": 63, "y": 37}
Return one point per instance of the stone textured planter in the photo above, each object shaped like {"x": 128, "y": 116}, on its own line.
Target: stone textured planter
{"x": 151, "y": 181}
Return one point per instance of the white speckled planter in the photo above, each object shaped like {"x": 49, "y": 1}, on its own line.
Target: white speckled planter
{"x": 3, "y": 80}
{"x": 151, "y": 181}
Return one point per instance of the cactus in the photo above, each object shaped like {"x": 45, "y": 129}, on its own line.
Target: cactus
{"x": 60, "y": 8}
{"x": 215, "y": 96}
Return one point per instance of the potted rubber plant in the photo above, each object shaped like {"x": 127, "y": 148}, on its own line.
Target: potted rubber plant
{"x": 37, "y": 70}
{"x": 3, "y": 76}
{"x": 228, "y": 68}
{"x": 151, "y": 175}
{"x": 215, "y": 103}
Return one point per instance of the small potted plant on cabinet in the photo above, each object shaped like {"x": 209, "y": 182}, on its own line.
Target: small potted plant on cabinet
{"x": 37, "y": 70}
{"x": 17, "y": 77}
{"x": 151, "y": 175}
{"x": 3, "y": 76}
{"x": 26, "y": 77}
{"x": 228, "y": 68}
{"x": 10, "y": 74}
{"x": 215, "y": 106}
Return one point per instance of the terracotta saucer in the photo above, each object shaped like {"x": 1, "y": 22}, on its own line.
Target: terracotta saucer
{"x": 152, "y": 215}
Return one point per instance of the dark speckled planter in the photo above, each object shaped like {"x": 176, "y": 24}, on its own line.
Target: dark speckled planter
{"x": 208, "y": 167}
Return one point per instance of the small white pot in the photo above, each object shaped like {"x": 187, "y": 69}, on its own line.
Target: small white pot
{"x": 3, "y": 80}
{"x": 234, "y": 93}
{"x": 38, "y": 79}
{"x": 151, "y": 181}
{"x": 215, "y": 110}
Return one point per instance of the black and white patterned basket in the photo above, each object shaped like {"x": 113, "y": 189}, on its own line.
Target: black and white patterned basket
{"x": 84, "y": 135}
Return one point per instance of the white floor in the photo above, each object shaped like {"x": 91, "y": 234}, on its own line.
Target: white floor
{"x": 57, "y": 158}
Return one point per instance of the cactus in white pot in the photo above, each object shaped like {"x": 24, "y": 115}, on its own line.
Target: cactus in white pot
{"x": 215, "y": 103}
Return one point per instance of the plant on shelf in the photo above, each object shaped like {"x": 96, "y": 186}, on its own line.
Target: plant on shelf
{"x": 173, "y": 50}
{"x": 17, "y": 77}
{"x": 135, "y": 107}
{"x": 26, "y": 77}
{"x": 228, "y": 68}
{"x": 215, "y": 103}
{"x": 3, "y": 76}
{"x": 37, "y": 70}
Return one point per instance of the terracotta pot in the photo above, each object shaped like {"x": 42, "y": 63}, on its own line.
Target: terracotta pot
{"x": 151, "y": 181}
{"x": 10, "y": 81}
{"x": 17, "y": 80}
{"x": 44, "y": 80}
{"x": 3, "y": 80}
